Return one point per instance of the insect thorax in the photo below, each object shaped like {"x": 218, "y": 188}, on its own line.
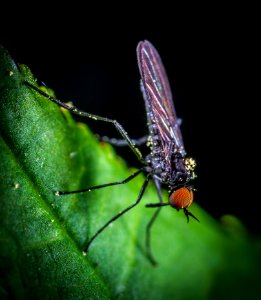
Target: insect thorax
{"x": 171, "y": 166}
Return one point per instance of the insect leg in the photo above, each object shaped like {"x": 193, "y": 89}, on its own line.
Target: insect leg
{"x": 122, "y": 142}
{"x": 60, "y": 193}
{"x": 76, "y": 111}
{"x": 142, "y": 190}
{"x": 156, "y": 204}
{"x": 151, "y": 222}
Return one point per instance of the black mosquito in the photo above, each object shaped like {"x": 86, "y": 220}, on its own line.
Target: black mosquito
{"x": 166, "y": 164}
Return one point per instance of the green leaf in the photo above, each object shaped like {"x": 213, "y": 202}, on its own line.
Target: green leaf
{"x": 42, "y": 236}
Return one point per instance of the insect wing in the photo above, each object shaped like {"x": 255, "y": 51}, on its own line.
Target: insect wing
{"x": 158, "y": 97}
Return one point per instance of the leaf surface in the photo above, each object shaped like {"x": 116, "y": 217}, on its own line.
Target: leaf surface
{"x": 42, "y": 236}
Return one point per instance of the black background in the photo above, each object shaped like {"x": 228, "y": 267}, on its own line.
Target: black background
{"x": 210, "y": 55}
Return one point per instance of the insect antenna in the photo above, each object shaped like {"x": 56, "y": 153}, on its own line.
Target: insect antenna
{"x": 189, "y": 214}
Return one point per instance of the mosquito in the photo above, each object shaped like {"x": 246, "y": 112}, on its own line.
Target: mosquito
{"x": 166, "y": 164}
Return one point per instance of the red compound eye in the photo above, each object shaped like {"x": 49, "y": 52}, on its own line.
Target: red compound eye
{"x": 181, "y": 198}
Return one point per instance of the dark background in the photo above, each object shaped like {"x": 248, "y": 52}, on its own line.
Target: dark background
{"x": 210, "y": 55}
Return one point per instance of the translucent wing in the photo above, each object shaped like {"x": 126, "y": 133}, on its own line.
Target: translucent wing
{"x": 158, "y": 98}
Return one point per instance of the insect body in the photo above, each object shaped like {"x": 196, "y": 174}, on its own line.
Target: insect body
{"x": 166, "y": 163}
{"x": 167, "y": 156}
